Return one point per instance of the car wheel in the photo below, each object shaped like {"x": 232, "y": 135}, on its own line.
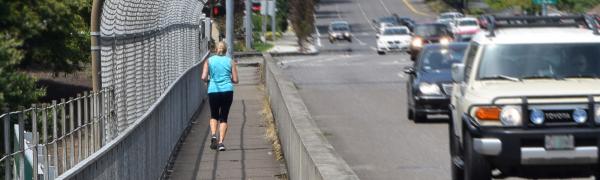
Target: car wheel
{"x": 350, "y": 40}
{"x": 413, "y": 56}
{"x": 411, "y": 114}
{"x": 380, "y": 52}
{"x": 475, "y": 165}
{"x": 419, "y": 116}
{"x": 331, "y": 41}
{"x": 456, "y": 170}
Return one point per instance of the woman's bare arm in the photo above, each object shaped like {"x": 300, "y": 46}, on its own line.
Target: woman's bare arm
{"x": 234, "y": 72}
{"x": 205, "y": 71}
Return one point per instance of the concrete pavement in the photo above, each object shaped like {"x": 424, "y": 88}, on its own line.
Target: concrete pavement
{"x": 248, "y": 156}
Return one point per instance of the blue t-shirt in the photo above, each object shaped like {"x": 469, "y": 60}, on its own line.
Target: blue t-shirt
{"x": 219, "y": 69}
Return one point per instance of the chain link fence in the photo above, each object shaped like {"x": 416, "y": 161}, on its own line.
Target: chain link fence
{"x": 145, "y": 45}
{"x": 150, "y": 50}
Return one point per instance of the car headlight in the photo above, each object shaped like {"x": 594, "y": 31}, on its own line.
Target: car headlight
{"x": 346, "y": 34}
{"x": 537, "y": 116}
{"x": 579, "y": 115}
{"x": 511, "y": 116}
{"x": 429, "y": 89}
{"x": 417, "y": 43}
{"x": 444, "y": 41}
{"x": 334, "y": 34}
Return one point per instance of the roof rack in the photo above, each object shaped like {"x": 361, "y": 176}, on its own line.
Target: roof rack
{"x": 495, "y": 22}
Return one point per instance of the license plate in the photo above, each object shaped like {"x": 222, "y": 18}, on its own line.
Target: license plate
{"x": 559, "y": 142}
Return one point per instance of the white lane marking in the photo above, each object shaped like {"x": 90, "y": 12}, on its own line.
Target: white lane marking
{"x": 401, "y": 75}
{"x": 337, "y": 10}
{"x": 365, "y": 16}
{"x": 384, "y": 7}
{"x": 318, "y": 36}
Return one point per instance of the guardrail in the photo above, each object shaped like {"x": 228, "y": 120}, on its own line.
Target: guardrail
{"x": 308, "y": 154}
{"x": 143, "y": 150}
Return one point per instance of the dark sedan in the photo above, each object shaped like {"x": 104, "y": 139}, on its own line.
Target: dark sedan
{"x": 429, "y": 33}
{"x": 430, "y": 82}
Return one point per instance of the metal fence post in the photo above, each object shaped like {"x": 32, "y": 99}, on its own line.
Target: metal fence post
{"x": 79, "y": 128}
{"x": 21, "y": 117}
{"x": 86, "y": 121}
{"x": 45, "y": 138}
{"x": 35, "y": 141}
{"x": 71, "y": 135}
{"x": 7, "y": 167}
{"x": 63, "y": 142}
{"x": 55, "y": 135}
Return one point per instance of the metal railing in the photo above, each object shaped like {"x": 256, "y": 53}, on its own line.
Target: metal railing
{"x": 51, "y": 138}
{"x": 143, "y": 151}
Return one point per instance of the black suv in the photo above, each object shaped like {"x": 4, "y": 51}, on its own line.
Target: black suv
{"x": 430, "y": 84}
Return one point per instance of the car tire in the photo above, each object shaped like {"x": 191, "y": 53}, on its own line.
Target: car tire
{"x": 411, "y": 114}
{"x": 380, "y": 52}
{"x": 413, "y": 57}
{"x": 350, "y": 40}
{"x": 419, "y": 116}
{"x": 331, "y": 41}
{"x": 475, "y": 165}
{"x": 455, "y": 170}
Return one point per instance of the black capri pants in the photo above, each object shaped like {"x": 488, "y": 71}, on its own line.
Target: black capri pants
{"x": 220, "y": 102}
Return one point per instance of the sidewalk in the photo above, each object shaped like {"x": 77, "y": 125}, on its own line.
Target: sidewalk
{"x": 248, "y": 155}
{"x": 288, "y": 43}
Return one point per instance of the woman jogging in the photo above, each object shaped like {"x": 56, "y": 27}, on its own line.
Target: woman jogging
{"x": 220, "y": 71}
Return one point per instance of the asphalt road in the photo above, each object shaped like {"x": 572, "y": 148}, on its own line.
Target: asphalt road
{"x": 358, "y": 98}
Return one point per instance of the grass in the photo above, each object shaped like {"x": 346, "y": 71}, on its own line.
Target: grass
{"x": 271, "y": 128}
{"x": 262, "y": 47}
{"x": 439, "y": 6}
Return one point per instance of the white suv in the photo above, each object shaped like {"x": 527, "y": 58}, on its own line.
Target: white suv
{"x": 393, "y": 38}
{"x": 526, "y": 101}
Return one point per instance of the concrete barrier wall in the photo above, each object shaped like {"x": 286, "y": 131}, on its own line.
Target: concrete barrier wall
{"x": 308, "y": 153}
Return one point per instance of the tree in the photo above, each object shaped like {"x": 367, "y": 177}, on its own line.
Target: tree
{"x": 302, "y": 19}
{"x": 16, "y": 89}
{"x": 577, "y": 6}
{"x": 505, "y": 4}
{"x": 54, "y": 33}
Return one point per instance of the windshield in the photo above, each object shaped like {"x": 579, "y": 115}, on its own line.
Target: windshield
{"x": 447, "y": 16}
{"x": 468, "y": 23}
{"x": 390, "y": 20}
{"x": 395, "y": 31}
{"x": 524, "y": 61}
{"x": 430, "y": 30}
{"x": 442, "y": 59}
{"x": 340, "y": 27}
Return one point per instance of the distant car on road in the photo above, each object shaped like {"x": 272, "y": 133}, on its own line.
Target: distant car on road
{"x": 393, "y": 38}
{"x": 405, "y": 21}
{"x": 339, "y": 30}
{"x": 449, "y": 17}
{"x": 430, "y": 84}
{"x": 466, "y": 27}
{"x": 426, "y": 34}
{"x": 385, "y": 21}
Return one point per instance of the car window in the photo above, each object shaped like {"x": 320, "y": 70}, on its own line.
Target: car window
{"x": 431, "y": 30}
{"x": 436, "y": 59}
{"x": 395, "y": 31}
{"x": 467, "y": 23}
{"x": 340, "y": 27}
{"x": 527, "y": 61}
{"x": 471, "y": 53}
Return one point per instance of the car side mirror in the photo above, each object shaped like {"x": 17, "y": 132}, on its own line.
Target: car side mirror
{"x": 458, "y": 72}
{"x": 409, "y": 70}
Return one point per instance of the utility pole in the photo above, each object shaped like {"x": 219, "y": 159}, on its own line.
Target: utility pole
{"x": 544, "y": 8}
{"x": 229, "y": 26}
{"x": 248, "y": 25}
{"x": 264, "y": 7}
{"x": 272, "y": 11}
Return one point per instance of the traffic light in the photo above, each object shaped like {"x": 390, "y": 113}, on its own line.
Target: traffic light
{"x": 218, "y": 8}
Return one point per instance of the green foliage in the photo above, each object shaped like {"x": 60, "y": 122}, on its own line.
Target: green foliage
{"x": 577, "y": 6}
{"x": 54, "y": 33}
{"x": 16, "y": 89}
{"x": 504, "y": 4}
{"x": 262, "y": 47}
